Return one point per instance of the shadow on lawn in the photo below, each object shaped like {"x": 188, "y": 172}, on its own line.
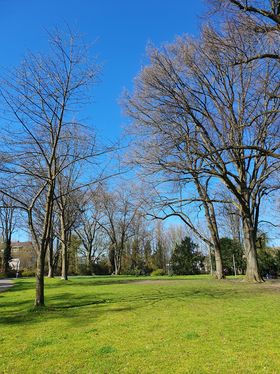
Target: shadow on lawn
{"x": 93, "y": 281}
{"x": 30, "y": 317}
{"x": 85, "y": 308}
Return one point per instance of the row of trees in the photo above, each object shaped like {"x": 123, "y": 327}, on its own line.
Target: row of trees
{"x": 204, "y": 139}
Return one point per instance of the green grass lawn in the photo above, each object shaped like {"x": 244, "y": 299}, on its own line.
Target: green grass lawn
{"x": 141, "y": 325}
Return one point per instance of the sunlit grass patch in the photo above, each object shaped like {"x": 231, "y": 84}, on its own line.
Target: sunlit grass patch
{"x": 141, "y": 325}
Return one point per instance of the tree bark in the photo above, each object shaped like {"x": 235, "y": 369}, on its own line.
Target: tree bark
{"x": 64, "y": 262}
{"x": 42, "y": 246}
{"x": 219, "y": 273}
{"x": 252, "y": 270}
{"x": 40, "y": 298}
{"x": 64, "y": 252}
{"x": 7, "y": 256}
{"x": 50, "y": 260}
{"x": 212, "y": 226}
{"x": 89, "y": 264}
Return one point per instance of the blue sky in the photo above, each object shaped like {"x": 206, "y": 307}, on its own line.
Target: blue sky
{"x": 120, "y": 28}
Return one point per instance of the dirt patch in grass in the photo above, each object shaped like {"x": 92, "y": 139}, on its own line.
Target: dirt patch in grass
{"x": 160, "y": 281}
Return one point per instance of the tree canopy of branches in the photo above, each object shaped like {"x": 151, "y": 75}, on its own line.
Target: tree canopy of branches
{"x": 42, "y": 98}
{"x": 193, "y": 99}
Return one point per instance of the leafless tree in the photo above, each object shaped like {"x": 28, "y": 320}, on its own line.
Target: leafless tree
{"x": 164, "y": 206}
{"x": 194, "y": 96}
{"x": 7, "y": 227}
{"x": 42, "y": 98}
{"x": 68, "y": 211}
{"x": 89, "y": 229}
{"x": 257, "y": 11}
{"x": 119, "y": 211}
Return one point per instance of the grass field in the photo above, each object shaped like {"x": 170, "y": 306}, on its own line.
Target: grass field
{"x": 141, "y": 325}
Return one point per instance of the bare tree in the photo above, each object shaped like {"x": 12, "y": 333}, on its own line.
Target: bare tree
{"x": 42, "y": 96}
{"x": 194, "y": 96}
{"x": 170, "y": 205}
{"x": 267, "y": 11}
{"x": 7, "y": 226}
{"x": 68, "y": 210}
{"x": 89, "y": 229}
{"x": 118, "y": 214}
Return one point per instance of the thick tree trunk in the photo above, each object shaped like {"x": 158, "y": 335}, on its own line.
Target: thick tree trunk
{"x": 219, "y": 274}
{"x": 252, "y": 270}
{"x": 40, "y": 299}
{"x": 42, "y": 247}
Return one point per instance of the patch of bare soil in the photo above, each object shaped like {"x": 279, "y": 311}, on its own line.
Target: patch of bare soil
{"x": 159, "y": 281}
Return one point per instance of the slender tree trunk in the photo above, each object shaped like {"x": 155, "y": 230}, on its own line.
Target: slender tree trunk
{"x": 112, "y": 258}
{"x": 64, "y": 252}
{"x": 210, "y": 260}
{"x": 117, "y": 261}
{"x": 40, "y": 298}
{"x": 50, "y": 259}
{"x": 89, "y": 264}
{"x": 7, "y": 256}
{"x": 116, "y": 267}
{"x": 64, "y": 261}
{"x": 252, "y": 270}
{"x": 212, "y": 226}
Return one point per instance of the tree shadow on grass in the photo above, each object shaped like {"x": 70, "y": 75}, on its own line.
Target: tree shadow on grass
{"x": 85, "y": 308}
{"x": 32, "y": 316}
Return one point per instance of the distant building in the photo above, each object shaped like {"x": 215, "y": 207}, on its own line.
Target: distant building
{"x": 24, "y": 251}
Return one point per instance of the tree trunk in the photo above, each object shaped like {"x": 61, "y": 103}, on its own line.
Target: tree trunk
{"x": 64, "y": 252}
{"x": 219, "y": 274}
{"x": 252, "y": 270}
{"x": 7, "y": 256}
{"x": 89, "y": 264}
{"x": 64, "y": 262}
{"x": 116, "y": 268}
{"x": 42, "y": 246}
{"x": 212, "y": 226}
{"x": 40, "y": 299}
{"x": 50, "y": 260}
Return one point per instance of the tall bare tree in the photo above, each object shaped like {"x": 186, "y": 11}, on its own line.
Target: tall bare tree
{"x": 42, "y": 97}
{"x": 194, "y": 96}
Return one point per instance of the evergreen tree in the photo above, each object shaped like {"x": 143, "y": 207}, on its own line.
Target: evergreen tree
{"x": 232, "y": 252}
{"x": 186, "y": 259}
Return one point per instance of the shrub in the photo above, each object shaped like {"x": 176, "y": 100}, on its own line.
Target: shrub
{"x": 135, "y": 272}
{"x": 158, "y": 272}
{"x": 101, "y": 268}
{"x": 28, "y": 273}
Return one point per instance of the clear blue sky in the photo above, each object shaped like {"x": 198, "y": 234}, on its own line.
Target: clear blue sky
{"x": 122, "y": 29}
